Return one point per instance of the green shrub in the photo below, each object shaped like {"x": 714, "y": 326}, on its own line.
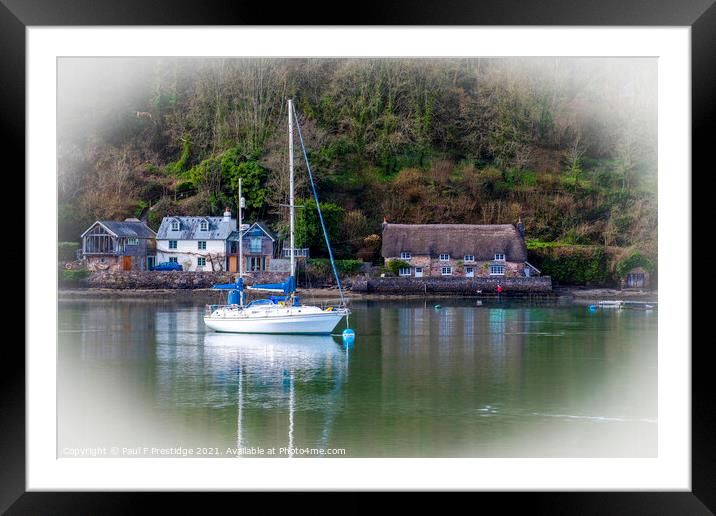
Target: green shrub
{"x": 322, "y": 266}
{"x": 572, "y": 265}
{"x": 636, "y": 259}
{"x": 181, "y": 165}
{"x": 67, "y": 251}
{"x": 72, "y": 277}
{"x": 184, "y": 186}
{"x": 393, "y": 266}
{"x": 141, "y": 205}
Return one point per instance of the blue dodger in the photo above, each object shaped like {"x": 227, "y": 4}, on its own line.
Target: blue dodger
{"x": 237, "y": 290}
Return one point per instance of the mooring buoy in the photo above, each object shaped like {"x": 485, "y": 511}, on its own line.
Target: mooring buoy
{"x": 349, "y": 336}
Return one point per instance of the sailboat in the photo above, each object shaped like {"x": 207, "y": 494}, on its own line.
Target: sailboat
{"x": 281, "y": 312}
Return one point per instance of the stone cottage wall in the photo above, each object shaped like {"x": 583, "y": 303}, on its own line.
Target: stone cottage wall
{"x": 432, "y": 267}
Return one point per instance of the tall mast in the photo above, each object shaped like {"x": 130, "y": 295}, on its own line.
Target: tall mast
{"x": 241, "y": 235}
{"x": 290, "y": 168}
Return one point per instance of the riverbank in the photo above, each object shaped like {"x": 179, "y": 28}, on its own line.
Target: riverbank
{"x": 578, "y": 294}
{"x": 589, "y": 294}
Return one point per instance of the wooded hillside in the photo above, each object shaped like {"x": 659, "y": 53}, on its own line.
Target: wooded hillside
{"x": 567, "y": 145}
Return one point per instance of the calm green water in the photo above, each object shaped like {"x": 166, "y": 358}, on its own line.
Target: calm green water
{"x": 467, "y": 380}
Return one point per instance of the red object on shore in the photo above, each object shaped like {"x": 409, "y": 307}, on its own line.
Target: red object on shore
{"x": 499, "y": 289}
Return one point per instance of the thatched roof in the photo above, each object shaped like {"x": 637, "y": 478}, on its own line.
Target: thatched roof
{"x": 479, "y": 240}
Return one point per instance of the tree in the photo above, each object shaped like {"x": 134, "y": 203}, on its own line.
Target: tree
{"x": 308, "y": 227}
{"x": 574, "y": 157}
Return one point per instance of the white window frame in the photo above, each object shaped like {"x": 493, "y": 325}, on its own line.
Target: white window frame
{"x": 497, "y": 273}
{"x": 404, "y": 255}
{"x": 469, "y": 258}
{"x": 174, "y": 259}
{"x": 499, "y": 257}
{"x": 469, "y": 272}
{"x": 175, "y": 225}
{"x": 444, "y": 257}
{"x": 204, "y": 226}
{"x": 175, "y": 242}
{"x": 298, "y": 251}
{"x": 446, "y": 271}
{"x": 404, "y": 271}
{"x": 199, "y": 261}
{"x": 199, "y": 246}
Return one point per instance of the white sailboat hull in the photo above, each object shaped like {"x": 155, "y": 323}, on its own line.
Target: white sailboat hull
{"x": 317, "y": 323}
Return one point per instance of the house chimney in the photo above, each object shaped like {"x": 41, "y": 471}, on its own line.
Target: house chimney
{"x": 227, "y": 214}
{"x": 520, "y": 227}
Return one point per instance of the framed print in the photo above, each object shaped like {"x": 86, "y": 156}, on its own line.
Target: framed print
{"x": 417, "y": 253}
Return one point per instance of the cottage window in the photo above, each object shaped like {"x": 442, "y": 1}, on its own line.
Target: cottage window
{"x": 255, "y": 245}
{"x": 404, "y": 271}
{"x": 175, "y": 225}
{"x": 204, "y": 225}
{"x": 405, "y": 255}
{"x": 172, "y": 244}
{"x": 444, "y": 257}
{"x": 255, "y": 263}
{"x": 132, "y": 241}
{"x": 201, "y": 261}
{"x": 446, "y": 271}
{"x": 499, "y": 257}
{"x": 469, "y": 258}
{"x": 98, "y": 241}
{"x": 296, "y": 252}
{"x": 202, "y": 244}
{"x": 173, "y": 259}
{"x": 497, "y": 270}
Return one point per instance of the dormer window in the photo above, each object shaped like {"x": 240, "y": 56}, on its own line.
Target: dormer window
{"x": 204, "y": 225}
{"x": 499, "y": 257}
{"x": 405, "y": 256}
{"x": 445, "y": 257}
{"x": 469, "y": 258}
{"x": 175, "y": 225}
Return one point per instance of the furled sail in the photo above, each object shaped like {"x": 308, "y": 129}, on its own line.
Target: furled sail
{"x": 287, "y": 287}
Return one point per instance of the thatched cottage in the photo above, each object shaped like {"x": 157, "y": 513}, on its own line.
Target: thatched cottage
{"x": 462, "y": 250}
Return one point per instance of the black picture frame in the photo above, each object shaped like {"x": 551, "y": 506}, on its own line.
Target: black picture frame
{"x": 700, "y": 15}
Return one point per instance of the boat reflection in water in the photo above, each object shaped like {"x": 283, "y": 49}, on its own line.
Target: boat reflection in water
{"x": 288, "y": 387}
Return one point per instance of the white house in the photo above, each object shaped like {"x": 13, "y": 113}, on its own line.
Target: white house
{"x": 197, "y": 243}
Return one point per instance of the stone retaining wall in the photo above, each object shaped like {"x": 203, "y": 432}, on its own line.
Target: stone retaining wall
{"x": 436, "y": 285}
{"x": 462, "y": 286}
{"x": 172, "y": 279}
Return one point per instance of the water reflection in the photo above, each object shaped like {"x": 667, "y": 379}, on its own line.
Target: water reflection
{"x": 285, "y": 387}
{"x": 497, "y": 379}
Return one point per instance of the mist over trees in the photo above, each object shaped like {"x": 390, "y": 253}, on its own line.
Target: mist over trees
{"x": 566, "y": 144}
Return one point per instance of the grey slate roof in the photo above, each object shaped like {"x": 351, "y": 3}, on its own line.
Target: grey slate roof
{"x": 235, "y": 234}
{"x": 190, "y": 228}
{"x": 128, "y": 228}
{"x": 480, "y": 240}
